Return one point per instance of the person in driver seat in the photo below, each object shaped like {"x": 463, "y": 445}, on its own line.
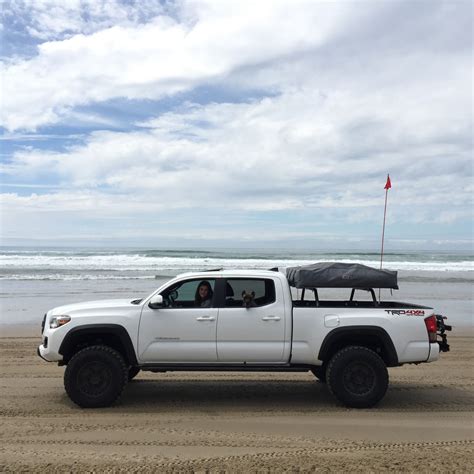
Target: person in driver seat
{"x": 203, "y": 296}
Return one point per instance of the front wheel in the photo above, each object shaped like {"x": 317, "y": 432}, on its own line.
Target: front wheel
{"x": 357, "y": 377}
{"x": 95, "y": 376}
{"x": 319, "y": 373}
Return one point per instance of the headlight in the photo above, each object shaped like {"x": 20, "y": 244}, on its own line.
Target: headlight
{"x": 57, "y": 321}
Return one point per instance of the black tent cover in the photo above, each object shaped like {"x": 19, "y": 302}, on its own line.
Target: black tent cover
{"x": 340, "y": 275}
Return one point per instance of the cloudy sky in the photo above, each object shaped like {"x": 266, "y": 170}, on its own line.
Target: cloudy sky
{"x": 243, "y": 123}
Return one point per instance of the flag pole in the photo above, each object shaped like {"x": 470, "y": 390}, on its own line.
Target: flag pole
{"x": 383, "y": 227}
{"x": 388, "y": 185}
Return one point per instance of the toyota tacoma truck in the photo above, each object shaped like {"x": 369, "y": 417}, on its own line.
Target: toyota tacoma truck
{"x": 246, "y": 320}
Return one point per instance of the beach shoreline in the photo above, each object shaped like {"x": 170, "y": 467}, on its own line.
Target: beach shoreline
{"x": 26, "y": 301}
{"x": 35, "y": 280}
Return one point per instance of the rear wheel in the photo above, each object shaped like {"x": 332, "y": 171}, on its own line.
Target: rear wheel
{"x": 95, "y": 376}
{"x": 357, "y": 377}
{"x": 132, "y": 373}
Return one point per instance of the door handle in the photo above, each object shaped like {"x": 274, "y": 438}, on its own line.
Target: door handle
{"x": 271, "y": 318}
{"x": 206, "y": 318}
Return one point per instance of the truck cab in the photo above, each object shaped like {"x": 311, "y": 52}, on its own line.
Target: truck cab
{"x": 176, "y": 330}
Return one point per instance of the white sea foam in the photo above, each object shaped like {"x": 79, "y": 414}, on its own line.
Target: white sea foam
{"x": 72, "y": 266}
{"x": 68, "y": 277}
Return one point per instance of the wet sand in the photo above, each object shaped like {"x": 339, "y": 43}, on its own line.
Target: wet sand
{"x": 235, "y": 422}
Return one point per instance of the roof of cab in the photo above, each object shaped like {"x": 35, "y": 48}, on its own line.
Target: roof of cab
{"x": 233, "y": 273}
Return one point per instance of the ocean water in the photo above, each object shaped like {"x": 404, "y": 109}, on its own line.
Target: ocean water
{"x": 33, "y": 280}
{"x": 80, "y": 264}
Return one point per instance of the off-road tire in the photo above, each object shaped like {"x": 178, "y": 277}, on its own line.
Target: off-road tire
{"x": 95, "y": 376}
{"x": 132, "y": 373}
{"x": 319, "y": 373}
{"x": 357, "y": 377}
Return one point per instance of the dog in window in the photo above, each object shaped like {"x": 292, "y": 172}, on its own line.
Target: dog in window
{"x": 248, "y": 299}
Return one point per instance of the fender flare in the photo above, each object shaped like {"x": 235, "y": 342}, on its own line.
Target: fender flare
{"x": 115, "y": 330}
{"x": 380, "y": 334}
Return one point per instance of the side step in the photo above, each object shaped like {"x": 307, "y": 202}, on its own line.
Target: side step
{"x": 225, "y": 368}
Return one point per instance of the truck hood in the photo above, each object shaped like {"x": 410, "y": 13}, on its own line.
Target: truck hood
{"x": 92, "y": 305}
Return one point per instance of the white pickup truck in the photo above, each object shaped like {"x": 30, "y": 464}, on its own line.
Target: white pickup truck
{"x": 243, "y": 320}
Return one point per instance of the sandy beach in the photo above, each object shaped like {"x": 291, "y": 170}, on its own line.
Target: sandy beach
{"x": 202, "y": 422}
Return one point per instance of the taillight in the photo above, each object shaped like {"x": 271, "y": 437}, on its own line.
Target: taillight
{"x": 431, "y": 327}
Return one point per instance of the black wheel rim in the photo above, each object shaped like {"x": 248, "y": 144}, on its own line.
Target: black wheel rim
{"x": 94, "y": 378}
{"x": 359, "y": 378}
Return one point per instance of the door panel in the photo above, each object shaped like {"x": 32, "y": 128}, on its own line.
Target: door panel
{"x": 179, "y": 332}
{"x": 253, "y": 334}
{"x": 178, "y": 335}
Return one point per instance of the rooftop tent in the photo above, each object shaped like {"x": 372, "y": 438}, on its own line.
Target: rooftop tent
{"x": 340, "y": 275}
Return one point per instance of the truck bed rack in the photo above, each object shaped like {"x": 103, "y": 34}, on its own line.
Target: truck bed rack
{"x": 355, "y": 304}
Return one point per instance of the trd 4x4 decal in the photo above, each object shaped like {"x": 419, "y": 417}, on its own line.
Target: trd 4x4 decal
{"x": 406, "y": 312}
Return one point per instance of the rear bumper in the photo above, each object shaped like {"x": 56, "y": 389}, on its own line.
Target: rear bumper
{"x": 434, "y": 352}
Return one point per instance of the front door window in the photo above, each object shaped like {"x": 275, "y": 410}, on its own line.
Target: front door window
{"x": 189, "y": 294}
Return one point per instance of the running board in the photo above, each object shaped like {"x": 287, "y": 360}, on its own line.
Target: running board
{"x": 225, "y": 368}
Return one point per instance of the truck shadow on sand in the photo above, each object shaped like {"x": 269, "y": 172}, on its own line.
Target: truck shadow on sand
{"x": 270, "y": 395}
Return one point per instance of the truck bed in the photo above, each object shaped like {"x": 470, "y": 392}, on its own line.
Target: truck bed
{"x": 355, "y": 304}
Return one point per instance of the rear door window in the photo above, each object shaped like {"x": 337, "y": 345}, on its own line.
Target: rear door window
{"x": 259, "y": 291}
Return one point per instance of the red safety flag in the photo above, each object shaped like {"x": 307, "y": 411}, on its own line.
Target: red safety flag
{"x": 388, "y": 184}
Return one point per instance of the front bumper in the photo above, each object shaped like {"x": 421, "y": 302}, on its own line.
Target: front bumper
{"x": 51, "y": 339}
{"x": 40, "y": 354}
{"x": 49, "y": 352}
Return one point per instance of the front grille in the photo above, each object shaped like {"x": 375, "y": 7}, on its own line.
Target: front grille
{"x": 43, "y": 324}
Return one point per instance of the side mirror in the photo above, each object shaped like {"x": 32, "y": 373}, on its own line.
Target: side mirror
{"x": 156, "y": 302}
